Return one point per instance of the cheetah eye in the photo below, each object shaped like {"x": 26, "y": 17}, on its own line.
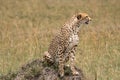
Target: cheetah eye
{"x": 86, "y": 16}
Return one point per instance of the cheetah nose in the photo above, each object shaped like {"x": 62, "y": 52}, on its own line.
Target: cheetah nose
{"x": 90, "y": 19}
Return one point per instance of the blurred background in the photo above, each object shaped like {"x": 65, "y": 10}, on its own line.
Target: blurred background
{"x": 27, "y": 27}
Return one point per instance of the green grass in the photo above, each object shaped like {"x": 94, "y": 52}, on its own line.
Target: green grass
{"x": 27, "y": 27}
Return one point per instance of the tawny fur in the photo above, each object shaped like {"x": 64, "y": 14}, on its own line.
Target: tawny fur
{"x": 63, "y": 46}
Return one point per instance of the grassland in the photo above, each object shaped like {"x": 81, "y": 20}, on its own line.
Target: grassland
{"x": 27, "y": 27}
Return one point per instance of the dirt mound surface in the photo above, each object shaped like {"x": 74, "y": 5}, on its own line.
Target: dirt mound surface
{"x": 40, "y": 70}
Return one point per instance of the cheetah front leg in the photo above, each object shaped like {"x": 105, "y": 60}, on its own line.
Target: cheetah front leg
{"x": 72, "y": 61}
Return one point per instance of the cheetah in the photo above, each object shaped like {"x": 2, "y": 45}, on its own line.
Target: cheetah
{"x": 63, "y": 46}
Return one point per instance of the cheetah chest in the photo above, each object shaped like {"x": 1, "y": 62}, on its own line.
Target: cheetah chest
{"x": 73, "y": 40}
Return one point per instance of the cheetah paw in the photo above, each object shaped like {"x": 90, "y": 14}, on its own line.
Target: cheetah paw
{"x": 75, "y": 73}
{"x": 68, "y": 65}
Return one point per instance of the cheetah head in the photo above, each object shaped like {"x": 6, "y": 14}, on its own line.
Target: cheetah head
{"x": 83, "y": 18}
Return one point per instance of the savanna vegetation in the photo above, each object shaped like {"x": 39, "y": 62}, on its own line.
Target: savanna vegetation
{"x": 27, "y": 27}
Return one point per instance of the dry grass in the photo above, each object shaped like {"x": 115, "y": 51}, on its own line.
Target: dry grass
{"x": 27, "y": 27}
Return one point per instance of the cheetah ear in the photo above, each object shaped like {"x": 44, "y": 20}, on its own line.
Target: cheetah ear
{"x": 79, "y": 16}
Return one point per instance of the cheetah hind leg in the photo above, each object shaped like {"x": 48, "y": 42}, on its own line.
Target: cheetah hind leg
{"x": 47, "y": 57}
